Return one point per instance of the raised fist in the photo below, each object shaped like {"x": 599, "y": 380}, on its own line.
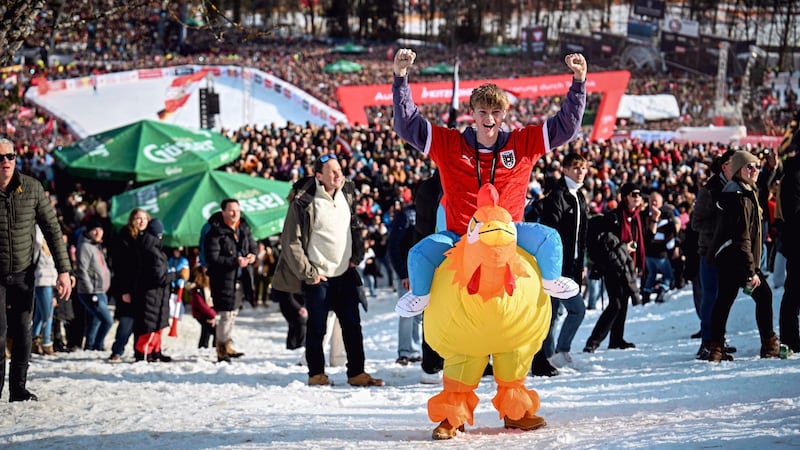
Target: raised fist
{"x": 402, "y": 60}
{"x": 577, "y": 63}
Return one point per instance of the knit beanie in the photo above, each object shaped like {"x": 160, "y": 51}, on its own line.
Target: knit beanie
{"x": 155, "y": 227}
{"x": 740, "y": 159}
{"x": 627, "y": 188}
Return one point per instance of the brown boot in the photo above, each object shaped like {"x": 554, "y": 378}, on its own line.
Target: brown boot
{"x": 319, "y": 379}
{"x": 222, "y": 354}
{"x": 36, "y": 346}
{"x": 446, "y": 431}
{"x": 717, "y": 353}
{"x": 48, "y": 350}
{"x": 771, "y": 348}
{"x": 364, "y": 380}
{"x": 231, "y": 352}
{"x": 526, "y": 423}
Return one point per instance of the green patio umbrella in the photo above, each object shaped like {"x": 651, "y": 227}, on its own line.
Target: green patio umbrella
{"x": 349, "y": 48}
{"x": 184, "y": 204}
{"x": 438, "y": 69}
{"x": 147, "y": 150}
{"x": 343, "y": 66}
{"x": 503, "y": 50}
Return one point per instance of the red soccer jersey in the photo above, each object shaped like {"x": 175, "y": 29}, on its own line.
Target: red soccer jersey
{"x": 456, "y": 161}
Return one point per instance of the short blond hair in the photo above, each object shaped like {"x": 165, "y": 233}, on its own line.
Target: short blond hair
{"x": 489, "y": 96}
{"x": 7, "y": 142}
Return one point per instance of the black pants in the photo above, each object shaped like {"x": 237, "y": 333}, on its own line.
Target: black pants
{"x": 790, "y": 305}
{"x": 728, "y": 289}
{"x": 431, "y": 361}
{"x": 290, "y": 308}
{"x": 207, "y": 333}
{"x": 16, "y": 317}
{"x": 340, "y": 295}
{"x": 612, "y": 320}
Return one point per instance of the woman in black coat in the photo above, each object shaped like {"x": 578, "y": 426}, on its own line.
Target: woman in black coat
{"x": 151, "y": 294}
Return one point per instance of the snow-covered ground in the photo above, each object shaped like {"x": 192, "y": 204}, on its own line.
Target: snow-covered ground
{"x": 654, "y": 396}
{"x": 115, "y": 105}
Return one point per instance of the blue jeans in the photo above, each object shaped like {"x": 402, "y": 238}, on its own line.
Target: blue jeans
{"x": 594, "y": 290}
{"x": 708, "y": 282}
{"x": 98, "y": 320}
{"x": 409, "y": 332}
{"x": 654, "y": 267}
{"x": 576, "y": 310}
{"x": 124, "y": 332}
{"x": 340, "y": 295}
{"x": 542, "y": 242}
{"x": 43, "y": 314}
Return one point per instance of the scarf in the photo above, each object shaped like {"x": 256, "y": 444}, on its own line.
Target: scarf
{"x": 632, "y": 231}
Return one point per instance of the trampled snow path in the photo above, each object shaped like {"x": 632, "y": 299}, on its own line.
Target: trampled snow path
{"x": 654, "y": 396}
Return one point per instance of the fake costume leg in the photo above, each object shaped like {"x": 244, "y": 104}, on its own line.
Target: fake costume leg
{"x": 513, "y": 399}
{"x": 425, "y": 257}
{"x": 539, "y": 240}
{"x": 544, "y": 243}
{"x": 457, "y": 401}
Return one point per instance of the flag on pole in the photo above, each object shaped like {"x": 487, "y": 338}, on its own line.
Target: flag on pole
{"x": 179, "y": 92}
{"x": 451, "y": 121}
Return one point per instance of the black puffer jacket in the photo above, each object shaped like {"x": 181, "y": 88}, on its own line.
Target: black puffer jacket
{"x": 617, "y": 263}
{"x": 222, "y": 251}
{"x": 560, "y": 210}
{"x": 21, "y": 206}
{"x": 124, "y": 263}
{"x": 790, "y": 207}
{"x": 151, "y": 291}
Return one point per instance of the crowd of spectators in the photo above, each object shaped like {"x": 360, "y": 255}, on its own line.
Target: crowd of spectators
{"x": 372, "y": 155}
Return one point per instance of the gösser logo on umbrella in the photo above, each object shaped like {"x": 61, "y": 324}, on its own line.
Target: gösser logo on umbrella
{"x": 147, "y": 150}
{"x": 184, "y": 204}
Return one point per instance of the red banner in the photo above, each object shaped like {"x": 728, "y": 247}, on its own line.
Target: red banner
{"x": 612, "y": 86}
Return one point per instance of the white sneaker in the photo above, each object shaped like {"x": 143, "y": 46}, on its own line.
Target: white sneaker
{"x": 430, "y": 378}
{"x": 561, "y": 287}
{"x": 560, "y": 360}
{"x": 410, "y": 305}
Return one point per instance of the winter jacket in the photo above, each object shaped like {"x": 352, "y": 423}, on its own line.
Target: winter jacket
{"x": 45, "y": 273}
{"x": 401, "y": 239}
{"x": 293, "y": 267}
{"x": 560, "y": 210}
{"x": 222, "y": 250}
{"x": 737, "y": 239}
{"x": 151, "y": 290}
{"x": 790, "y": 207}
{"x": 93, "y": 273}
{"x": 705, "y": 214}
{"x": 124, "y": 263}
{"x": 201, "y": 310}
{"x": 427, "y": 198}
{"x": 661, "y": 243}
{"x": 23, "y": 205}
{"x": 617, "y": 263}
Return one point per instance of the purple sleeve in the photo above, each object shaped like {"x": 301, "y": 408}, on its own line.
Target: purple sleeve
{"x": 408, "y": 122}
{"x": 565, "y": 125}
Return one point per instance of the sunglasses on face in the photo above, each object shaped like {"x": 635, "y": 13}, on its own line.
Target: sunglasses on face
{"x": 636, "y": 194}
{"x": 326, "y": 157}
{"x": 8, "y": 156}
{"x": 752, "y": 166}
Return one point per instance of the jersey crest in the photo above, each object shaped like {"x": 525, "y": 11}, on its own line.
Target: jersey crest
{"x": 508, "y": 158}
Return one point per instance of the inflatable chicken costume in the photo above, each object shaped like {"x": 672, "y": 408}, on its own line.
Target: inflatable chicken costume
{"x": 486, "y": 299}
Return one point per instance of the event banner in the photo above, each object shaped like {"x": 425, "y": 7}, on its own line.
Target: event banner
{"x": 612, "y": 85}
